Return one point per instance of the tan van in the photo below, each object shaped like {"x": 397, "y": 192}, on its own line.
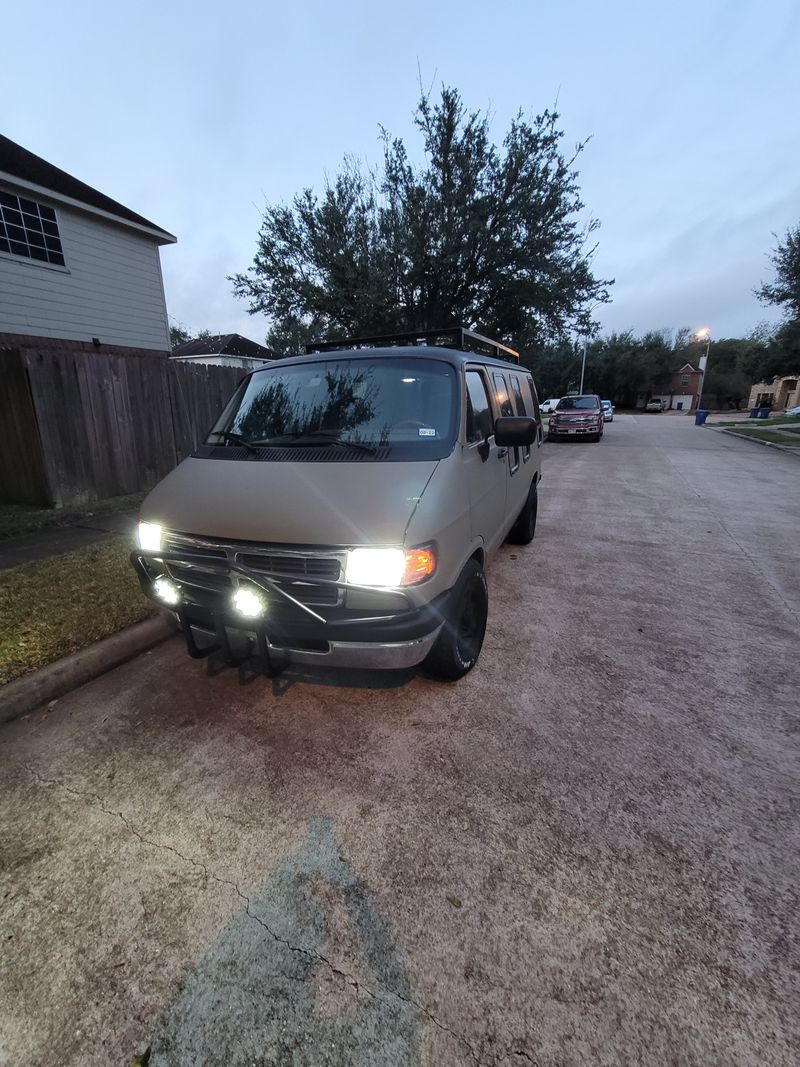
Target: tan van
{"x": 343, "y": 509}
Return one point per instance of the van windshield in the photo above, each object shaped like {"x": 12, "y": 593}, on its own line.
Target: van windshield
{"x": 408, "y": 406}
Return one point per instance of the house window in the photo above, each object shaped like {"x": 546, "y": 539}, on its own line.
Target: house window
{"x": 685, "y": 379}
{"x": 29, "y": 229}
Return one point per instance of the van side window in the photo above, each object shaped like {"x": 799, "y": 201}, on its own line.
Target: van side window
{"x": 506, "y": 408}
{"x": 503, "y": 399}
{"x": 534, "y": 399}
{"x": 479, "y": 412}
{"x": 519, "y": 404}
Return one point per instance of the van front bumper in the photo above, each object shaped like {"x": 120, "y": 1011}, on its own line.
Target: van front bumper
{"x": 287, "y": 633}
{"x": 366, "y": 655}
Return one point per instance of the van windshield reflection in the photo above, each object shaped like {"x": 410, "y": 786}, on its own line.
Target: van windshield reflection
{"x": 363, "y": 404}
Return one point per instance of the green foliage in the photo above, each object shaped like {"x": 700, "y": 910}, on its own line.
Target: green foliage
{"x": 622, "y": 366}
{"x": 618, "y": 367}
{"x": 785, "y": 289}
{"x": 480, "y": 236}
{"x": 179, "y": 335}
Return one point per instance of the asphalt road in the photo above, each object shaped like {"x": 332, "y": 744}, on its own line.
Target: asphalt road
{"x": 586, "y": 852}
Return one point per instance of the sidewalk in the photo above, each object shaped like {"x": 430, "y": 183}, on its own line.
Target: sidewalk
{"x": 55, "y": 541}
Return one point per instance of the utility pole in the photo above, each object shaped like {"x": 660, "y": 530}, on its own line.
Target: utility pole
{"x": 703, "y": 334}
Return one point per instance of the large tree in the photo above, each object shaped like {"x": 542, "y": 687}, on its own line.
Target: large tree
{"x": 784, "y": 291}
{"x": 487, "y": 237}
{"x": 179, "y": 335}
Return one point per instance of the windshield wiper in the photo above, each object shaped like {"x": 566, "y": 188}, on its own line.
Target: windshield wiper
{"x": 236, "y": 438}
{"x": 301, "y": 440}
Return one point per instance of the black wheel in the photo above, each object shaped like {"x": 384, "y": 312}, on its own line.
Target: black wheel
{"x": 524, "y": 528}
{"x": 460, "y": 640}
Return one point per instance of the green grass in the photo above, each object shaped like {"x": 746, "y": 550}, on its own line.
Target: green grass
{"x": 62, "y": 604}
{"x": 766, "y": 435}
{"x": 19, "y": 519}
{"x": 756, "y": 424}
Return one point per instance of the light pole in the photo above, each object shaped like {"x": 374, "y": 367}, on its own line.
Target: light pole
{"x": 585, "y": 336}
{"x": 703, "y": 334}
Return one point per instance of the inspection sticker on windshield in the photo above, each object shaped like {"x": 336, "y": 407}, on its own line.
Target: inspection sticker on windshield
{"x": 426, "y": 431}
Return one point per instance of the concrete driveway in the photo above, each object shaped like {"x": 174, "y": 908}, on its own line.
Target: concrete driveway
{"x": 586, "y": 852}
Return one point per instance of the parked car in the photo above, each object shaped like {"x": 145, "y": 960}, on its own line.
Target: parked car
{"x": 608, "y": 411}
{"x": 577, "y": 416}
{"x": 792, "y": 411}
{"x": 547, "y": 407}
{"x": 654, "y": 405}
{"x": 343, "y": 509}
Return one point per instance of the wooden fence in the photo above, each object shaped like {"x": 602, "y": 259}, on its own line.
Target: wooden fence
{"x": 76, "y": 427}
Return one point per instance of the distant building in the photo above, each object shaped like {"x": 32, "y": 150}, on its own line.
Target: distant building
{"x": 77, "y": 269}
{"x": 677, "y": 393}
{"x": 781, "y": 393}
{"x": 225, "y": 350}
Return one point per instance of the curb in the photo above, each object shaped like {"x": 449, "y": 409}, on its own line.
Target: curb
{"x": 756, "y": 440}
{"x": 56, "y": 679}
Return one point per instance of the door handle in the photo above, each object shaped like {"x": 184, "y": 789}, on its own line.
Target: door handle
{"x": 502, "y": 453}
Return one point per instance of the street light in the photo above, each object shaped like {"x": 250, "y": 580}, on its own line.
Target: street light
{"x": 703, "y": 334}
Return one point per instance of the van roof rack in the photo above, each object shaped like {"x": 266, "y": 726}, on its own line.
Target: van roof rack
{"x": 455, "y": 337}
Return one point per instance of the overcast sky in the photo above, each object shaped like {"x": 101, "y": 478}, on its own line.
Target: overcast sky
{"x": 194, "y": 114}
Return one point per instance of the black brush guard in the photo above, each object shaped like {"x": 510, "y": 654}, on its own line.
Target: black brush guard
{"x": 297, "y": 623}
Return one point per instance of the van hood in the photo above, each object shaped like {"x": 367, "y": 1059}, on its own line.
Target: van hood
{"x": 362, "y": 503}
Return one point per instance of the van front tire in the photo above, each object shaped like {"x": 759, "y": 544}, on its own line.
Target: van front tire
{"x": 524, "y": 528}
{"x": 460, "y": 640}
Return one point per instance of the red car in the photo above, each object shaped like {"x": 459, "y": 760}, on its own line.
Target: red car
{"x": 577, "y": 416}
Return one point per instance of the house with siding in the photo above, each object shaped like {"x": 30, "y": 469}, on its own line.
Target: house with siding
{"x": 77, "y": 269}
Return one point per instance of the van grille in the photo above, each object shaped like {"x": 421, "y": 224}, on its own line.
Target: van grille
{"x": 298, "y": 573}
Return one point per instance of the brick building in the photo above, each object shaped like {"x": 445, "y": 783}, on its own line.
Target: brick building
{"x": 676, "y": 393}
{"x": 781, "y": 393}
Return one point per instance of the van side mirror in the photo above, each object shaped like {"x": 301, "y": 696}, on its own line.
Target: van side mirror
{"x": 514, "y": 431}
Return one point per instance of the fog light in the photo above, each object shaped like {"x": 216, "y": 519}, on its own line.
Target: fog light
{"x": 248, "y": 603}
{"x": 166, "y": 590}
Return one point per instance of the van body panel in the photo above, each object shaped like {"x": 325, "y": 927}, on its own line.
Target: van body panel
{"x": 362, "y": 503}
{"x": 443, "y": 516}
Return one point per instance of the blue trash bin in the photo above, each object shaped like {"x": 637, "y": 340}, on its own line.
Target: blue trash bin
{"x": 763, "y": 413}
{"x": 700, "y": 417}
{"x": 754, "y": 412}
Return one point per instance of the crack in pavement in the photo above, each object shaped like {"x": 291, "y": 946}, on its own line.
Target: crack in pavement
{"x": 88, "y": 795}
{"x": 518, "y": 1052}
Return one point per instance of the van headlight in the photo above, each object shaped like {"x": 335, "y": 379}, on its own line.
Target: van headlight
{"x": 390, "y": 566}
{"x": 149, "y": 534}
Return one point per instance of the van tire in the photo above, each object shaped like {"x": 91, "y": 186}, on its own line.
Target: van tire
{"x": 521, "y": 533}
{"x": 460, "y": 639}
